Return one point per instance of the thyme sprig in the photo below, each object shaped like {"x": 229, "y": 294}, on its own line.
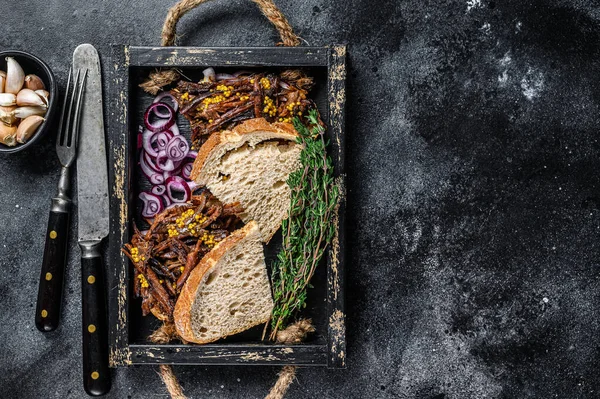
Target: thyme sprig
{"x": 308, "y": 230}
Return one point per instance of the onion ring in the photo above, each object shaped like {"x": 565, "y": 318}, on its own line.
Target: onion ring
{"x": 162, "y": 123}
{"x": 177, "y": 148}
{"x": 152, "y": 204}
{"x": 161, "y": 97}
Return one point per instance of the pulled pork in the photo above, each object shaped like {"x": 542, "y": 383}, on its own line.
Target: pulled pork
{"x": 164, "y": 256}
{"x": 214, "y": 105}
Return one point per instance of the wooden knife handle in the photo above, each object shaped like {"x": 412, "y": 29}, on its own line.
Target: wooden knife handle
{"x": 96, "y": 375}
{"x": 50, "y": 289}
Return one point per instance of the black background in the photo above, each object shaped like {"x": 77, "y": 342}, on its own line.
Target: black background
{"x": 473, "y": 198}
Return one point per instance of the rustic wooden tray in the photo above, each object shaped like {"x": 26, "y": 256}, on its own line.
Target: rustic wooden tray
{"x": 126, "y": 103}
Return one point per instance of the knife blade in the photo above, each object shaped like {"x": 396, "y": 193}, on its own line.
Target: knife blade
{"x": 93, "y": 211}
{"x": 92, "y": 172}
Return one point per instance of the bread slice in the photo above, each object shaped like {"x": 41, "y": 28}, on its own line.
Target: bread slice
{"x": 251, "y": 164}
{"x": 228, "y": 291}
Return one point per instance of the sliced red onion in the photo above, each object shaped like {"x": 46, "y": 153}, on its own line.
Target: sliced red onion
{"x": 165, "y": 163}
{"x": 162, "y": 139}
{"x": 162, "y": 123}
{"x": 147, "y": 143}
{"x": 157, "y": 178}
{"x": 177, "y": 188}
{"x": 152, "y": 204}
{"x": 148, "y": 171}
{"x": 163, "y": 114}
{"x": 166, "y": 95}
{"x": 163, "y": 155}
{"x": 159, "y": 189}
{"x": 186, "y": 170}
{"x": 149, "y": 160}
{"x": 177, "y": 184}
{"x": 209, "y": 74}
{"x": 284, "y": 85}
{"x": 174, "y": 129}
{"x": 174, "y": 172}
{"x": 155, "y": 142}
{"x": 224, "y": 76}
{"x": 178, "y": 148}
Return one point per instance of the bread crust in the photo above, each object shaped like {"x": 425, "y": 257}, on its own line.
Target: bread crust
{"x": 261, "y": 124}
{"x": 182, "y": 315}
{"x": 285, "y": 130}
{"x": 213, "y": 141}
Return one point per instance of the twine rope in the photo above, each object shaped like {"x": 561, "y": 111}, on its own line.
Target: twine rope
{"x": 268, "y": 8}
{"x": 159, "y": 79}
{"x": 285, "y": 380}
{"x": 293, "y": 334}
{"x": 164, "y": 335}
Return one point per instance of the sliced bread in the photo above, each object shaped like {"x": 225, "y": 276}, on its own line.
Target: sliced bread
{"x": 251, "y": 164}
{"x": 228, "y": 291}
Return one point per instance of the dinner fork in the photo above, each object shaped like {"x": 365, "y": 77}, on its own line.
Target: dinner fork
{"x": 55, "y": 252}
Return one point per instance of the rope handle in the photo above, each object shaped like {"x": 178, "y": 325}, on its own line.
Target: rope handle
{"x": 293, "y": 334}
{"x": 157, "y": 80}
{"x": 268, "y": 8}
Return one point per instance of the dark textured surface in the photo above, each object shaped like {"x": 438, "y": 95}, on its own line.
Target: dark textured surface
{"x": 473, "y": 203}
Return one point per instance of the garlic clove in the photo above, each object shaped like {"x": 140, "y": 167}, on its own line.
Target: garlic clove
{"x": 34, "y": 82}
{"x": 7, "y": 99}
{"x": 2, "y": 81}
{"x": 44, "y": 95}
{"x": 7, "y": 115}
{"x": 29, "y": 97}
{"x": 25, "y": 112}
{"x": 27, "y": 127}
{"x": 8, "y": 135}
{"x": 15, "y": 77}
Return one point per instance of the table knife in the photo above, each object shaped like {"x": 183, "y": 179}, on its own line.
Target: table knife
{"x": 92, "y": 196}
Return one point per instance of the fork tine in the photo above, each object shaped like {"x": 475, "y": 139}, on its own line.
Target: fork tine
{"x": 61, "y": 131}
{"x": 77, "y": 115}
{"x": 68, "y": 130}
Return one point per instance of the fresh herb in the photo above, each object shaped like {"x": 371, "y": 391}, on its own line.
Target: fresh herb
{"x": 309, "y": 229}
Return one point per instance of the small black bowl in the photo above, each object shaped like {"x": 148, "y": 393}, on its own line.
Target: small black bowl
{"x": 33, "y": 65}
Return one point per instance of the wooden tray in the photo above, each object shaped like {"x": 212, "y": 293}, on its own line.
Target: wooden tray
{"x": 128, "y": 330}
